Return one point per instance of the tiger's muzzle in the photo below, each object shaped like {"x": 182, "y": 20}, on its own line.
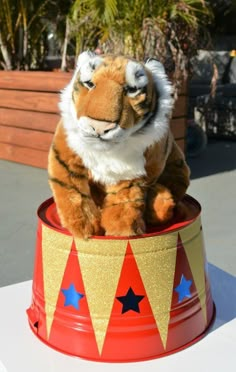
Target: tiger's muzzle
{"x": 101, "y": 127}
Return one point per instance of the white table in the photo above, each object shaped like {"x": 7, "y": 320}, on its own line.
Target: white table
{"x": 21, "y": 351}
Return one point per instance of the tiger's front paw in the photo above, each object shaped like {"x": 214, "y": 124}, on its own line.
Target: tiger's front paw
{"x": 82, "y": 221}
{"x": 160, "y": 206}
{"x": 116, "y": 222}
{"x": 84, "y": 228}
{"x": 122, "y": 229}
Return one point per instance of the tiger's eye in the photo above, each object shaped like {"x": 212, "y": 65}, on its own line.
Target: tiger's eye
{"x": 89, "y": 84}
{"x": 129, "y": 89}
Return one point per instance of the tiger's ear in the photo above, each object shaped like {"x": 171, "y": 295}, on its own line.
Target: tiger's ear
{"x": 148, "y": 59}
{"x": 85, "y": 57}
{"x": 88, "y": 59}
{"x": 162, "y": 82}
{"x": 154, "y": 64}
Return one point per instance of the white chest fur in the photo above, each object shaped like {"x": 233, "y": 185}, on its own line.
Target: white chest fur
{"x": 110, "y": 167}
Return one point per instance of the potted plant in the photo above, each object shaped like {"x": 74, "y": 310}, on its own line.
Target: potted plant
{"x": 165, "y": 29}
{"x": 169, "y": 30}
{"x": 29, "y": 92}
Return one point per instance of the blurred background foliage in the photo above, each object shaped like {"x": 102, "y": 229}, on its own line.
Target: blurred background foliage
{"x": 49, "y": 34}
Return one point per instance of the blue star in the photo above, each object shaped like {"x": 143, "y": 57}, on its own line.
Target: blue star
{"x": 183, "y": 288}
{"x": 130, "y": 301}
{"x": 72, "y": 297}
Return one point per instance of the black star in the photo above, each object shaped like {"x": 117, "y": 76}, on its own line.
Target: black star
{"x": 130, "y": 301}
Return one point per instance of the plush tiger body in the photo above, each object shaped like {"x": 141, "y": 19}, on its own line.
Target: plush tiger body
{"x": 114, "y": 165}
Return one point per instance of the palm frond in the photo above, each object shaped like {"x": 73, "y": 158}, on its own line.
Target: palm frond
{"x": 7, "y": 21}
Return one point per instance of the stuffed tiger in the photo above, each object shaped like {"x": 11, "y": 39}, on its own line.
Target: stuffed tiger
{"x": 114, "y": 166}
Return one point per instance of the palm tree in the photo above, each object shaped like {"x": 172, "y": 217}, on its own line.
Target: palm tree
{"x": 86, "y": 22}
{"x": 6, "y": 34}
{"x": 22, "y": 25}
{"x": 170, "y": 30}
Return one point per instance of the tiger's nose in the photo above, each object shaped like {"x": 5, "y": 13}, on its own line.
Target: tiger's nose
{"x": 101, "y": 127}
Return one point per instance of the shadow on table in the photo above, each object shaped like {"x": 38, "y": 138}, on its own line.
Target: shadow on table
{"x": 223, "y": 287}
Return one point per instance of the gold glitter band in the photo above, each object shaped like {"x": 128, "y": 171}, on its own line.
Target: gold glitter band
{"x": 100, "y": 263}
{"x": 192, "y": 239}
{"x": 156, "y": 258}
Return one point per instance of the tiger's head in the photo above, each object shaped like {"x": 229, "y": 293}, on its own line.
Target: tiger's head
{"x": 111, "y": 99}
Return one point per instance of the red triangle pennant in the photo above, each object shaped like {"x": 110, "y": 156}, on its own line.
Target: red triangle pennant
{"x": 185, "y": 316}
{"x": 72, "y": 313}
{"x": 37, "y": 309}
{"x": 132, "y": 328}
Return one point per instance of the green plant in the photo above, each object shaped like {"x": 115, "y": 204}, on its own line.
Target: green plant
{"x": 22, "y": 28}
{"x": 169, "y": 30}
{"x": 86, "y": 22}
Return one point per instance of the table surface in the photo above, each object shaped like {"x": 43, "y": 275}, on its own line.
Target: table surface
{"x": 21, "y": 351}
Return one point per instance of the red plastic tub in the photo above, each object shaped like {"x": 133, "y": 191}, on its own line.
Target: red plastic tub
{"x": 121, "y": 299}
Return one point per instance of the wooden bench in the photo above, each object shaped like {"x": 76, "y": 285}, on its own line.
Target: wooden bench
{"x": 29, "y": 115}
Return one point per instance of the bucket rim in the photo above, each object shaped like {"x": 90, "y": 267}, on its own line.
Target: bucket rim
{"x": 160, "y": 230}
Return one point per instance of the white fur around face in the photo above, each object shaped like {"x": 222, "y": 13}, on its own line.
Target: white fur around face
{"x": 119, "y": 155}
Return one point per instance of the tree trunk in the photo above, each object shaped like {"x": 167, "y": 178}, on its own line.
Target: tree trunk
{"x": 6, "y": 55}
{"x": 65, "y": 45}
{"x": 25, "y": 49}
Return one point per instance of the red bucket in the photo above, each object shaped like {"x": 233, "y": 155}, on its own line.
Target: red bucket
{"x": 121, "y": 299}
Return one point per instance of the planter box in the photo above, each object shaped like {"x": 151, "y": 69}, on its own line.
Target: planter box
{"x": 29, "y": 115}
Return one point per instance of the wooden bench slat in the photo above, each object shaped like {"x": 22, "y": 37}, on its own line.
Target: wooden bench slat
{"x": 34, "y": 80}
{"x": 48, "y": 122}
{"x": 178, "y": 127}
{"x": 181, "y": 143}
{"x": 36, "y": 158}
{"x": 26, "y": 138}
{"x": 24, "y": 155}
{"x": 32, "y": 101}
{"x": 30, "y": 120}
{"x": 29, "y": 114}
{"x": 180, "y": 107}
{"x": 51, "y": 81}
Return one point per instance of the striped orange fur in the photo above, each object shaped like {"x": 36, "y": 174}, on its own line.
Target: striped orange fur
{"x": 113, "y": 165}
